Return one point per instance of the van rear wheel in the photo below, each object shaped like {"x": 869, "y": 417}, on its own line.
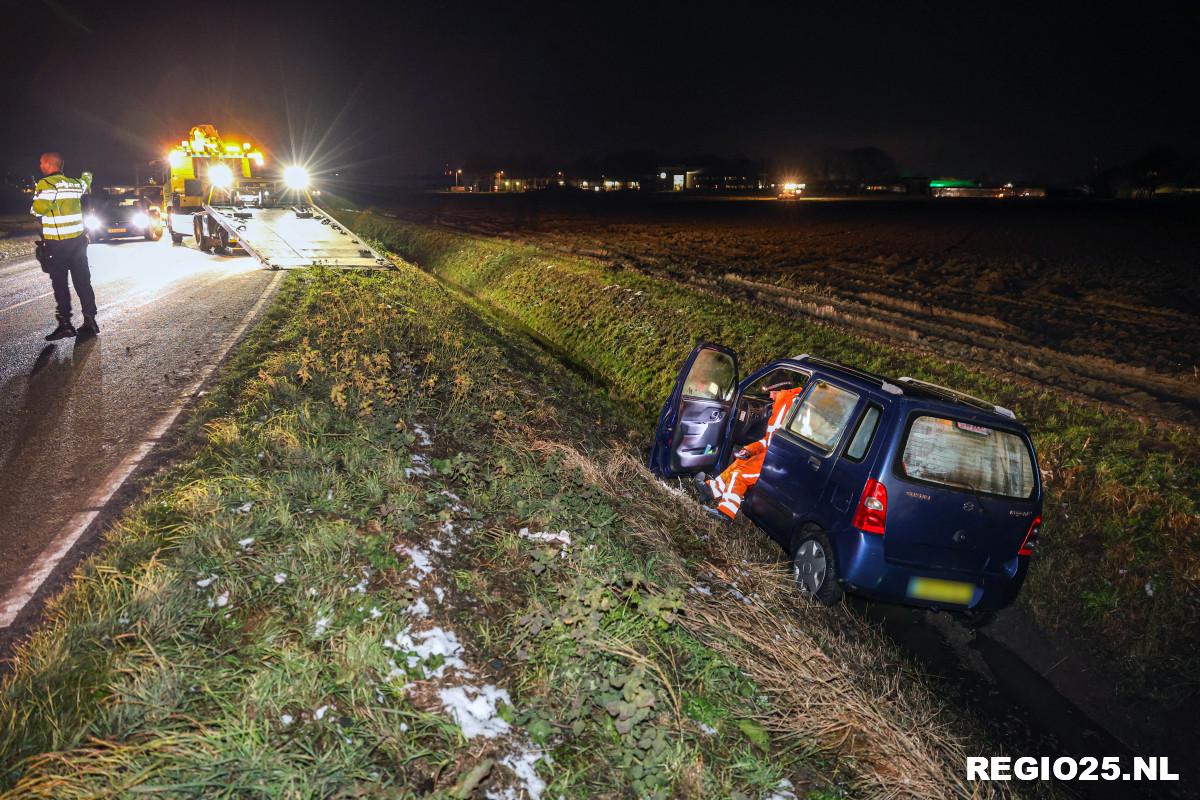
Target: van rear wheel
{"x": 814, "y": 568}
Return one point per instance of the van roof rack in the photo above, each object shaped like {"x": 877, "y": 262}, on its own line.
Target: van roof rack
{"x": 884, "y": 384}
{"x": 956, "y": 396}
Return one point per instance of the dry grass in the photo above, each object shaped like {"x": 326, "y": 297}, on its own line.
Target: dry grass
{"x": 834, "y": 685}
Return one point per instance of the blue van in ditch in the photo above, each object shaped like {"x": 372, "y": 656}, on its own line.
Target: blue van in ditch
{"x": 899, "y": 490}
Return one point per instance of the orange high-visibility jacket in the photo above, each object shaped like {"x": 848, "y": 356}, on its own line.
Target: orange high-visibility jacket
{"x": 732, "y": 484}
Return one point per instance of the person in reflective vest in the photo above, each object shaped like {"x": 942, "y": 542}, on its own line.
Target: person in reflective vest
{"x": 58, "y": 200}
{"x": 729, "y": 488}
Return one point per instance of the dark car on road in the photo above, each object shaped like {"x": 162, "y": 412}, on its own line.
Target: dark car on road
{"x": 899, "y": 490}
{"x": 121, "y": 213}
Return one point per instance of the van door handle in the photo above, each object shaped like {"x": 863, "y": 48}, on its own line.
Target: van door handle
{"x": 814, "y": 462}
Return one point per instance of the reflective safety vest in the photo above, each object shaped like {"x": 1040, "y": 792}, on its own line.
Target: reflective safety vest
{"x": 58, "y": 200}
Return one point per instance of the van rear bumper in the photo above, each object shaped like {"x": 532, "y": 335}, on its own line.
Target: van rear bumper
{"x": 865, "y": 571}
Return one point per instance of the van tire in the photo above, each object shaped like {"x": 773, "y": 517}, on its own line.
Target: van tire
{"x": 814, "y": 567}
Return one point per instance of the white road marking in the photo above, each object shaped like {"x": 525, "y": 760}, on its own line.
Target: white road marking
{"x": 25, "y": 302}
{"x": 40, "y": 570}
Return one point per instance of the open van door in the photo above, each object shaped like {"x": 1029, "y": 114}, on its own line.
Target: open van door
{"x": 692, "y": 425}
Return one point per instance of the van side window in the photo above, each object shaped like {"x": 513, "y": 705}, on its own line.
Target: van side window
{"x": 823, "y": 415}
{"x": 864, "y": 434}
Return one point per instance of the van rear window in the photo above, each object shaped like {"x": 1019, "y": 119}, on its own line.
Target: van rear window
{"x": 968, "y": 456}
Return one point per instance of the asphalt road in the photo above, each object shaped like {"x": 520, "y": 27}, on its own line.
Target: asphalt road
{"x": 76, "y": 417}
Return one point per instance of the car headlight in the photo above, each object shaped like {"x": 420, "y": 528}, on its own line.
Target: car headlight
{"x": 296, "y": 177}
{"x": 221, "y": 176}
{"x": 141, "y": 220}
{"x": 91, "y": 222}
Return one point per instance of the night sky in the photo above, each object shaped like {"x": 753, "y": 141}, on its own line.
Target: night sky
{"x": 384, "y": 90}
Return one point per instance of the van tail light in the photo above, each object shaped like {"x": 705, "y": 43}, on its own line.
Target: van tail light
{"x": 872, "y": 508}
{"x": 1027, "y": 546}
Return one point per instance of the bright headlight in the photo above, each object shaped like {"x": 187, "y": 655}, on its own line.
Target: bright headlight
{"x": 91, "y": 222}
{"x": 296, "y": 177}
{"x": 141, "y": 220}
{"x": 221, "y": 176}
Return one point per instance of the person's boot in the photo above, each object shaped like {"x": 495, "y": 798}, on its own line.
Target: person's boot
{"x": 65, "y": 330}
{"x": 717, "y": 515}
{"x": 88, "y": 328}
{"x": 700, "y": 488}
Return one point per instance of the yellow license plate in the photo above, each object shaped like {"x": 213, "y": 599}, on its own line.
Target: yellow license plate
{"x": 116, "y": 230}
{"x": 940, "y": 591}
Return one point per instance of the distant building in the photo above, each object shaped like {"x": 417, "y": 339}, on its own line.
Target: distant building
{"x": 713, "y": 174}
{"x": 729, "y": 181}
{"x": 959, "y": 188}
{"x": 677, "y": 178}
{"x": 502, "y": 182}
{"x": 603, "y": 184}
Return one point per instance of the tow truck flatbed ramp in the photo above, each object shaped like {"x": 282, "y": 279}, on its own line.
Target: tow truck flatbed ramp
{"x": 291, "y": 237}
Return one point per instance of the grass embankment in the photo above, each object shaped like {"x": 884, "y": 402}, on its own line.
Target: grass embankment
{"x": 411, "y": 556}
{"x": 1120, "y": 550}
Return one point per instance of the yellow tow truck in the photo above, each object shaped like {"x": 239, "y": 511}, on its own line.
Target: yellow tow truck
{"x": 223, "y": 195}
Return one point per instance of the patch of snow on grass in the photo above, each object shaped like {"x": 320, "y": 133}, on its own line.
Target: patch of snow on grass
{"x": 245, "y": 507}
{"x": 423, "y": 645}
{"x": 419, "y": 469}
{"x": 784, "y": 790}
{"x": 422, "y": 437}
{"x": 522, "y": 764}
{"x": 204, "y": 583}
{"x": 420, "y": 560}
{"x": 244, "y": 543}
{"x": 320, "y": 712}
{"x": 321, "y": 626}
{"x": 419, "y": 608}
{"x": 280, "y": 577}
{"x": 476, "y": 716}
{"x": 561, "y": 538}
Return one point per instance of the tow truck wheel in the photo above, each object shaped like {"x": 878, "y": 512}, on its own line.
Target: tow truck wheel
{"x": 201, "y": 231}
{"x": 223, "y": 242}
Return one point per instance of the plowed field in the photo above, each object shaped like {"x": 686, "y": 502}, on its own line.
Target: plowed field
{"x": 1095, "y": 298}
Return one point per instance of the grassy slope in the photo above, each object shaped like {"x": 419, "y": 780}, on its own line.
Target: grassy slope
{"x": 271, "y": 575}
{"x": 1121, "y": 519}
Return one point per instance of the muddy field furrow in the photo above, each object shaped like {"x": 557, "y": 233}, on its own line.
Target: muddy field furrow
{"x": 1127, "y": 334}
{"x": 1095, "y": 378}
{"x": 1109, "y": 366}
{"x": 1048, "y": 293}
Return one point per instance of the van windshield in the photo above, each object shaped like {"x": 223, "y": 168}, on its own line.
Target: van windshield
{"x": 964, "y": 455}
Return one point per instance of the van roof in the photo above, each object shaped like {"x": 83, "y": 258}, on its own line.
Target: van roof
{"x": 911, "y": 387}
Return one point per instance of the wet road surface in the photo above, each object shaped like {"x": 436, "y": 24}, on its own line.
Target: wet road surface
{"x": 72, "y": 412}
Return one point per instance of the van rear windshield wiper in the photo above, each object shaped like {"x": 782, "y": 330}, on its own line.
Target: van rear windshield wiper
{"x": 978, "y": 498}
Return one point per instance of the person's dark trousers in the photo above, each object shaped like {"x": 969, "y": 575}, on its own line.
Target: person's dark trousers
{"x": 70, "y": 256}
